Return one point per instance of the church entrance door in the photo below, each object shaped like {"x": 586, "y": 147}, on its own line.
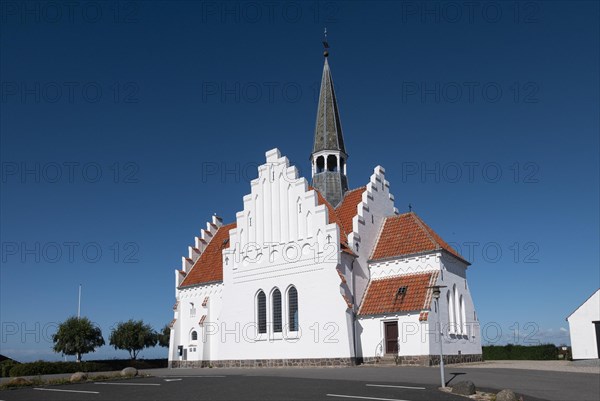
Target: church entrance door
{"x": 391, "y": 337}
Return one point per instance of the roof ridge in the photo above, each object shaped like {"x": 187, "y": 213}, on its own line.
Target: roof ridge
{"x": 385, "y": 220}
{"x": 440, "y": 242}
{"x": 358, "y": 312}
{"x": 583, "y": 303}
{"x": 422, "y": 224}
{"x": 203, "y": 257}
{"x": 394, "y": 216}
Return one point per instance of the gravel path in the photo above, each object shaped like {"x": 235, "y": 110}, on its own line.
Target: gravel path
{"x": 557, "y": 366}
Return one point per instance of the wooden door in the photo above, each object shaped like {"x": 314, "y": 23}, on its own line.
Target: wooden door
{"x": 391, "y": 337}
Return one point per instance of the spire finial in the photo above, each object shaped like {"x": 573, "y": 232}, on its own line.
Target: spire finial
{"x": 325, "y": 44}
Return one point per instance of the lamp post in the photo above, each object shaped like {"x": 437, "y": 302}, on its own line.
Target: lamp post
{"x": 436, "y": 295}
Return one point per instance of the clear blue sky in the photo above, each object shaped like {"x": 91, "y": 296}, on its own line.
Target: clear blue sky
{"x": 115, "y": 117}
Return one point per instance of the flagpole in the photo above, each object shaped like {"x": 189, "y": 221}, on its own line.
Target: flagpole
{"x": 79, "y": 304}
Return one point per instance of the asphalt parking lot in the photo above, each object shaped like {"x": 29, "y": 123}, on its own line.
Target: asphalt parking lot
{"x": 223, "y": 387}
{"x": 358, "y": 383}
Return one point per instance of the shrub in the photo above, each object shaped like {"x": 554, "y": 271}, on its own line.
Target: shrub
{"x": 6, "y": 366}
{"x": 544, "y": 352}
{"x": 50, "y": 368}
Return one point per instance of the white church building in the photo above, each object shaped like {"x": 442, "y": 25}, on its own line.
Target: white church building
{"x": 317, "y": 274}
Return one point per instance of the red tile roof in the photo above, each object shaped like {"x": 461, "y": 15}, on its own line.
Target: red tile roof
{"x": 346, "y": 210}
{"x": 407, "y": 234}
{"x": 382, "y": 294}
{"x": 209, "y": 266}
{"x": 343, "y": 214}
{"x": 333, "y": 217}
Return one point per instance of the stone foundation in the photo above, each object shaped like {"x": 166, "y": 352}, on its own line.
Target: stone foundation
{"x": 424, "y": 360}
{"x": 434, "y": 360}
{"x": 416, "y": 360}
{"x": 266, "y": 363}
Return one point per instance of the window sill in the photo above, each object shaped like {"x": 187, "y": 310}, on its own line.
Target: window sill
{"x": 292, "y": 335}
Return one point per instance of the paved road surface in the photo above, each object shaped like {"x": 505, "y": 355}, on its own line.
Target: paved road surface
{"x": 323, "y": 383}
{"x": 207, "y": 387}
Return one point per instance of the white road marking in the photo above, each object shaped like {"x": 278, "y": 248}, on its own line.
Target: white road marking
{"x": 128, "y": 384}
{"x": 66, "y": 391}
{"x": 184, "y": 376}
{"x": 363, "y": 398}
{"x": 173, "y": 380}
{"x": 385, "y": 385}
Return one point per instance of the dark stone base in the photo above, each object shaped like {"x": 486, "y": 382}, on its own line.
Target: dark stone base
{"x": 417, "y": 360}
{"x": 424, "y": 360}
{"x": 434, "y": 360}
{"x": 266, "y": 363}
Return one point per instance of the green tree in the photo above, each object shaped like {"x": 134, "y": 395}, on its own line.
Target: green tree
{"x": 77, "y": 336}
{"x": 133, "y": 336}
{"x": 164, "y": 336}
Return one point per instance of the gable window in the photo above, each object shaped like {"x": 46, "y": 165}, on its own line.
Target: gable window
{"x": 261, "y": 308}
{"x": 293, "y": 309}
{"x": 277, "y": 324}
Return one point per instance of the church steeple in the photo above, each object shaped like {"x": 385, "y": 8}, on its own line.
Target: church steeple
{"x": 329, "y": 156}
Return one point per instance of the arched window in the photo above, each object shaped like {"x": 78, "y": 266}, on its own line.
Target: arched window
{"x": 457, "y": 326}
{"x": 292, "y": 309}
{"x": 276, "y": 302}
{"x": 332, "y": 164}
{"x": 450, "y": 311}
{"x": 459, "y": 316}
{"x": 194, "y": 335}
{"x": 261, "y": 312}
{"x": 463, "y": 316}
{"x": 320, "y": 164}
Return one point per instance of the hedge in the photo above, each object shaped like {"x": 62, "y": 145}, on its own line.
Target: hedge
{"x": 6, "y": 366}
{"x": 49, "y": 368}
{"x": 544, "y": 352}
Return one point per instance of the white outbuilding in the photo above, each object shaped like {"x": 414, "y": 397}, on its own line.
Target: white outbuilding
{"x": 584, "y": 327}
{"x": 321, "y": 274}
